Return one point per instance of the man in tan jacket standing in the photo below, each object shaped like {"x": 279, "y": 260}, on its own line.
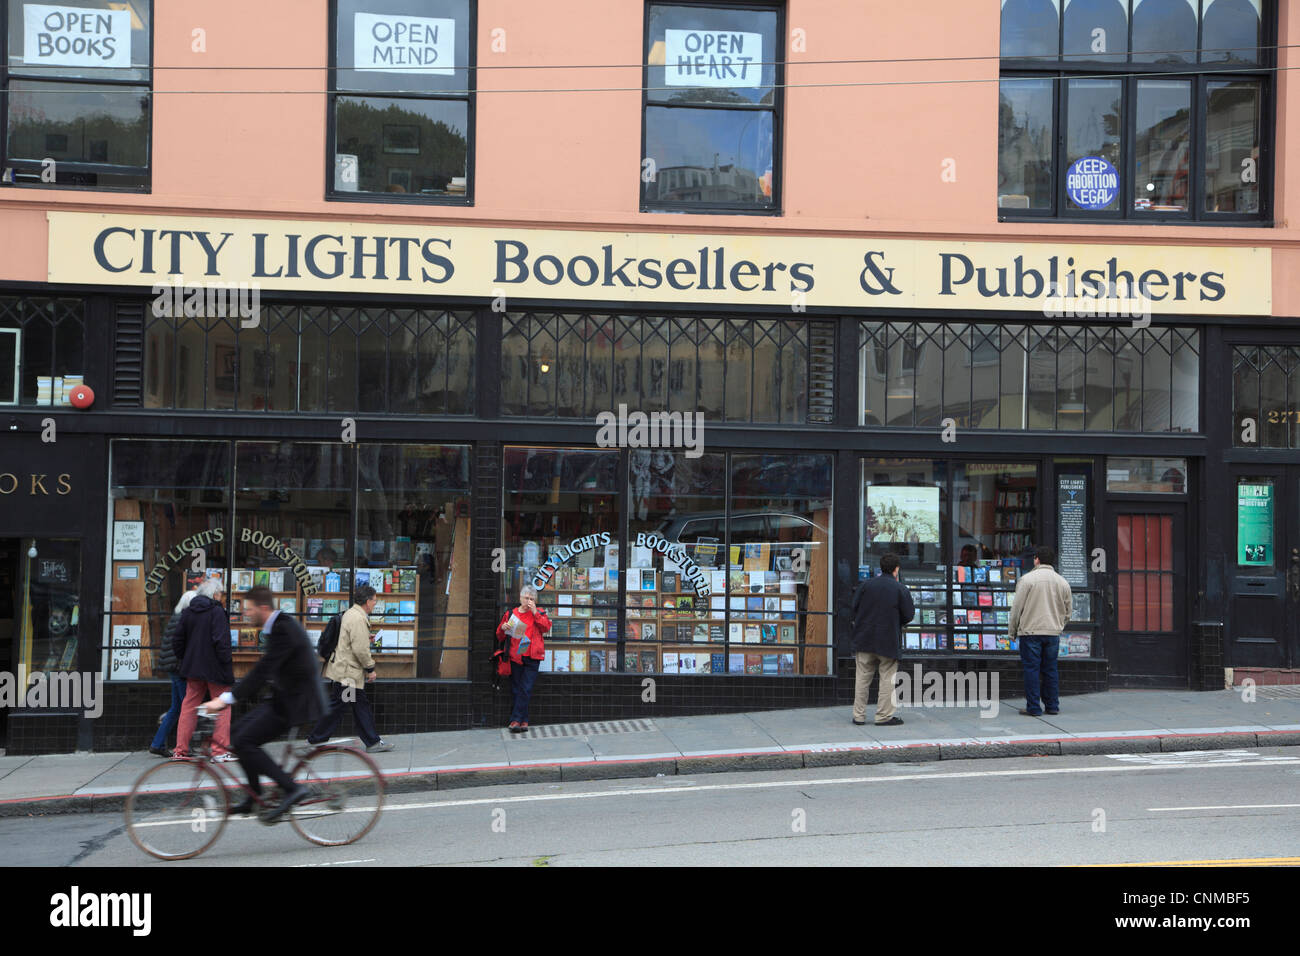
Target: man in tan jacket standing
{"x": 1039, "y": 611}
{"x": 349, "y": 669}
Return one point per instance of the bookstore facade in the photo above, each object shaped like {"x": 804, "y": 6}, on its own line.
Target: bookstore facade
{"x": 446, "y": 448}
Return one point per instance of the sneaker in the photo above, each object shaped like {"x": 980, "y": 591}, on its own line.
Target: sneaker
{"x": 160, "y": 752}
{"x": 891, "y": 722}
{"x": 514, "y": 726}
{"x": 379, "y": 747}
{"x": 523, "y": 725}
{"x": 226, "y": 757}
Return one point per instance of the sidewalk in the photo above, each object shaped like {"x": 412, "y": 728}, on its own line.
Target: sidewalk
{"x": 1113, "y": 722}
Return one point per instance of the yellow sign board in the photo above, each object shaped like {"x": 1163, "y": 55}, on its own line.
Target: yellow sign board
{"x": 587, "y": 266}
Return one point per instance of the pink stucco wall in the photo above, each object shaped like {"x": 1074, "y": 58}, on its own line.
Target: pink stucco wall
{"x": 857, "y": 159}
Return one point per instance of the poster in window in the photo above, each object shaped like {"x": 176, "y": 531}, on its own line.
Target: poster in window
{"x": 76, "y": 36}
{"x": 1254, "y": 524}
{"x": 712, "y": 58}
{"x": 901, "y": 515}
{"x": 398, "y": 43}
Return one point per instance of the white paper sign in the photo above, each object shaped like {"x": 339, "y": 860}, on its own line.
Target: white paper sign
{"x": 128, "y": 540}
{"x": 125, "y": 663}
{"x": 74, "y": 36}
{"x": 712, "y": 58}
{"x": 395, "y": 43}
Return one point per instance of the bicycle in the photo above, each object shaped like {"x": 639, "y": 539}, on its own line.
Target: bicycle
{"x": 177, "y": 810}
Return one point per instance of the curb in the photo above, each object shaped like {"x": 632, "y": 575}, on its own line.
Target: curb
{"x": 423, "y": 781}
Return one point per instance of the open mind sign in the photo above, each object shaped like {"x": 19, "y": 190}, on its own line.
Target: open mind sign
{"x": 392, "y": 43}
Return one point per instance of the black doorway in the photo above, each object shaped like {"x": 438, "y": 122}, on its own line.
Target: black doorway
{"x": 10, "y": 605}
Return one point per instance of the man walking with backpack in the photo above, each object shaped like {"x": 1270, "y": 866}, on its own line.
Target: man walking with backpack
{"x": 349, "y": 667}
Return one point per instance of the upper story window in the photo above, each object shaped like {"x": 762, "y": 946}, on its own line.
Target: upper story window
{"x": 42, "y": 350}
{"x": 1140, "y": 110}
{"x": 401, "y": 115}
{"x": 712, "y": 108}
{"x": 75, "y": 85}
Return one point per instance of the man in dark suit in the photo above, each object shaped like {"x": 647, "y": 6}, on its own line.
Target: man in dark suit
{"x": 881, "y": 606}
{"x": 291, "y": 667}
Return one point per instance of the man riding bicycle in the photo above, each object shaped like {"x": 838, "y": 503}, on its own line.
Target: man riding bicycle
{"x": 291, "y": 667}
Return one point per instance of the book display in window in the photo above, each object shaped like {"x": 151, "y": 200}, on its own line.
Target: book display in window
{"x": 965, "y": 609}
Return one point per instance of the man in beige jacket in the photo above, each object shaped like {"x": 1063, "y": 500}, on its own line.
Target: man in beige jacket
{"x": 1039, "y": 611}
{"x": 349, "y": 669}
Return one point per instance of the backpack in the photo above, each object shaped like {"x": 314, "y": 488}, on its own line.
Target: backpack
{"x": 329, "y": 638}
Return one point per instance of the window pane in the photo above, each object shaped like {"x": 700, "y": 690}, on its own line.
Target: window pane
{"x": 1164, "y": 109}
{"x": 1245, "y": 391}
{"x": 1025, "y": 144}
{"x": 1164, "y": 31}
{"x": 1096, "y": 30}
{"x": 1013, "y": 378}
{"x": 1070, "y": 389}
{"x": 1232, "y": 147}
{"x": 111, "y": 39}
{"x": 78, "y": 123}
{"x": 402, "y": 145}
{"x": 1093, "y": 112}
{"x": 711, "y": 55}
{"x": 1231, "y": 31}
{"x": 1147, "y": 476}
{"x": 1185, "y": 391}
{"x": 421, "y": 45}
{"x": 1030, "y": 28}
{"x": 1099, "y": 395}
{"x": 709, "y": 156}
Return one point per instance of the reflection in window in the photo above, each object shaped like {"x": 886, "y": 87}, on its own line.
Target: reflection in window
{"x": 712, "y": 107}
{"x": 92, "y": 119}
{"x": 1030, "y": 28}
{"x": 576, "y": 366}
{"x": 1066, "y": 378}
{"x": 1231, "y": 31}
{"x": 1025, "y": 144}
{"x": 1232, "y": 147}
{"x": 1266, "y": 388}
{"x": 1164, "y": 31}
{"x": 1163, "y": 143}
{"x": 1096, "y": 30}
{"x": 312, "y": 358}
{"x": 1094, "y": 117}
{"x": 413, "y": 143}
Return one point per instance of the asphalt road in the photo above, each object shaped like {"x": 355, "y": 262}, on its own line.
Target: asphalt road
{"x": 1130, "y": 808}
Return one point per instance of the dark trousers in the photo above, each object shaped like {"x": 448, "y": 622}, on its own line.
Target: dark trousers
{"x": 361, "y": 714}
{"x": 246, "y": 741}
{"x": 522, "y": 678}
{"x": 169, "y": 720}
{"x": 1038, "y": 657}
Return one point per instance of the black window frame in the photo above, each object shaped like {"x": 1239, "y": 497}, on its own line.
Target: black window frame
{"x": 777, "y": 109}
{"x": 1064, "y": 67}
{"x": 10, "y": 167}
{"x": 470, "y": 98}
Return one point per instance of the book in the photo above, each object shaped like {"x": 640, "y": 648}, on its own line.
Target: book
{"x": 669, "y": 665}
{"x": 787, "y": 634}
{"x": 560, "y": 662}
{"x": 577, "y": 630}
{"x": 330, "y": 607}
{"x": 545, "y": 663}
{"x": 578, "y": 661}
{"x": 785, "y": 663}
{"x": 611, "y": 630}
{"x": 630, "y": 662}
{"x": 669, "y": 581}
{"x": 243, "y": 581}
{"x": 753, "y": 663}
{"x": 314, "y": 608}
{"x": 717, "y": 663}
{"x": 289, "y": 605}
{"x": 685, "y": 633}
{"x": 648, "y": 579}
{"x": 769, "y": 664}
{"x": 596, "y": 630}
{"x": 559, "y": 629}
{"x": 751, "y": 634}
{"x": 715, "y": 633}
{"x": 261, "y": 579}
{"x": 649, "y": 631}
{"x": 767, "y": 633}
{"x": 407, "y": 611}
{"x": 406, "y": 580}
{"x": 634, "y": 630}
{"x": 649, "y": 664}
{"x": 596, "y": 659}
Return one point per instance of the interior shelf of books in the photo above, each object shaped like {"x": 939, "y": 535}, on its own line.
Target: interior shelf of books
{"x": 967, "y": 608}
{"x": 755, "y": 618}
{"x": 392, "y": 622}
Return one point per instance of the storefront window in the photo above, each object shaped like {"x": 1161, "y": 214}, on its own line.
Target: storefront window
{"x": 42, "y": 344}
{"x": 563, "y": 504}
{"x": 1164, "y": 476}
{"x": 712, "y": 107}
{"x": 413, "y": 516}
{"x": 313, "y": 359}
{"x": 51, "y": 604}
{"x": 1266, "y": 397}
{"x": 741, "y": 370}
{"x": 170, "y": 504}
{"x": 406, "y": 130}
{"x": 83, "y": 116}
{"x": 1042, "y": 377}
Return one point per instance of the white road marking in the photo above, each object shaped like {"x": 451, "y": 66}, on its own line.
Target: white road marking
{"x": 832, "y": 781}
{"x": 336, "y": 862}
{"x": 1238, "y": 806}
{"x": 1201, "y": 757}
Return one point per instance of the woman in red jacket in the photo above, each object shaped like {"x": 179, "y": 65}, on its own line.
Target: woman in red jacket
{"x": 526, "y": 653}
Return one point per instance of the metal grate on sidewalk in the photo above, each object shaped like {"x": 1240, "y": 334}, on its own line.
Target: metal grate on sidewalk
{"x": 588, "y": 729}
{"x": 1278, "y": 692}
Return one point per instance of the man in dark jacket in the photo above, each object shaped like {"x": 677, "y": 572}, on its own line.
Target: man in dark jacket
{"x": 202, "y": 645}
{"x": 881, "y": 606}
{"x": 292, "y": 669}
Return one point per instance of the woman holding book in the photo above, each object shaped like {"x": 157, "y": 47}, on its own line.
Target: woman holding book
{"x": 525, "y": 629}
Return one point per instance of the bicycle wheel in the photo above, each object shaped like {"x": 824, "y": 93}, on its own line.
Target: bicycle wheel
{"x": 346, "y": 799}
{"x": 177, "y": 809}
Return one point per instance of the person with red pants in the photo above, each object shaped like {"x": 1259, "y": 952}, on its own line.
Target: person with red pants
{"x": 202, "y": 645}
{"x": 526, "y": 653}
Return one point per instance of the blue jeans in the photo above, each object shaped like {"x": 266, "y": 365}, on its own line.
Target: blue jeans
{"x": 169, "y": 721}
{"x": 522, "y": 678}
{"x": 1038, "y": 655}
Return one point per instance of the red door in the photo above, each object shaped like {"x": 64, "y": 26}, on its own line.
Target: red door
{"x": 1148, "y": 639}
